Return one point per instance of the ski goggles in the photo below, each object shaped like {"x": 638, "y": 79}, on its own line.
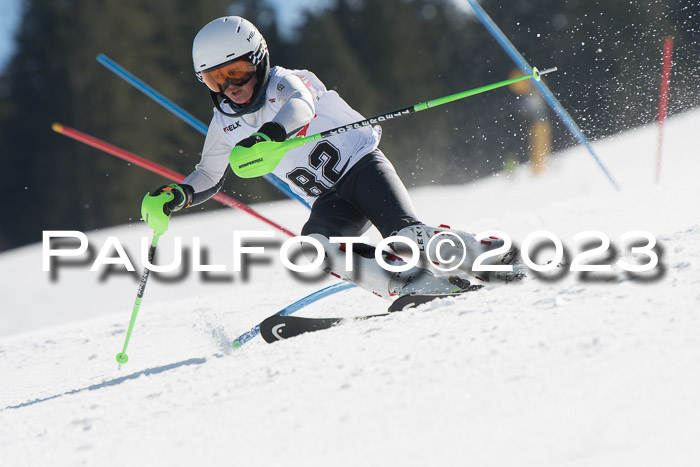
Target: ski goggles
{"x": 237, "y": 72}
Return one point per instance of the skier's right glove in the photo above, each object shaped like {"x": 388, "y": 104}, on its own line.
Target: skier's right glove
{"x": 157, "y": 207}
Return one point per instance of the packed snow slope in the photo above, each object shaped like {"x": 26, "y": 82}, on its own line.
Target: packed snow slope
{"x": 585, "y": 370}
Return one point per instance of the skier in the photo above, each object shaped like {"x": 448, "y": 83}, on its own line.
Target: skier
{"x": 346, "y": 179}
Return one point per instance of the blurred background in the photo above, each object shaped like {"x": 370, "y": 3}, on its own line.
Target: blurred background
{"x": 380, "y": 55}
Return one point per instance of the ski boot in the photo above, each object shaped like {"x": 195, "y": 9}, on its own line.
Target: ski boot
{"x": 369, "y": 275}
{"x": 456, "y": 244}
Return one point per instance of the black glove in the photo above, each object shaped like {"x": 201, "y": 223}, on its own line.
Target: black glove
{"x": 270, "y": 131}
{"x": 182, "y": 197}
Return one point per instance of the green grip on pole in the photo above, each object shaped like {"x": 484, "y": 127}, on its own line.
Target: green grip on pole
{"x": 152, "y": 209}
{"x": 263, "y": 157}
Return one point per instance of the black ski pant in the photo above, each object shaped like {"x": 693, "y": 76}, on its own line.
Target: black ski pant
{"x": 370, "y": 193}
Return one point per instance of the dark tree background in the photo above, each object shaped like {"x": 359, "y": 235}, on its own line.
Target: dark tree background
{"x": 379, "y": 54}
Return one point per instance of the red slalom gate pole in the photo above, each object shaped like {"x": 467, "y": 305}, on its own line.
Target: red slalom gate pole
{"x": 156, "y": 168}
{"x": 663, "y": 100}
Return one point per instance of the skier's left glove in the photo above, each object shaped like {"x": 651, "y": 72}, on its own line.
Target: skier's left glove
{"x": 270, "y": 131}
{"x": 157, "y": 207}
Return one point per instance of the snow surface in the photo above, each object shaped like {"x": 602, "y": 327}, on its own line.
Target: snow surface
{"x": 581, "y": 371}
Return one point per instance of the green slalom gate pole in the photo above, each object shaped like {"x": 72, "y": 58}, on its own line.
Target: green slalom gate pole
{"x": 121, "y": 356}
{"x": 263, "y": 157}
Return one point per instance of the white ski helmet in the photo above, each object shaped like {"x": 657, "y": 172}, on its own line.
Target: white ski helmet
{"x": 224, "y": 41}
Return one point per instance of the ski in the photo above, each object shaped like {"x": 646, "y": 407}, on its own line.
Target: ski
{"x": 293, "y": 308}
{"x": 280, "y": 327}
{"x": 413, "y": 300}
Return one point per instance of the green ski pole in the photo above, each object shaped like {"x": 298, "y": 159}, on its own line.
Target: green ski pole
{"x": 263, "y": 157}
{"x": 154, "y": 214}
{"x": 121, "y": 356}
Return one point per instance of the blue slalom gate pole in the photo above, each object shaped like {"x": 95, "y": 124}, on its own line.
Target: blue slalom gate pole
{"x": 553, "y": 102}
{"x": 175, "y": 109}
{"x": 294, "y": 307}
